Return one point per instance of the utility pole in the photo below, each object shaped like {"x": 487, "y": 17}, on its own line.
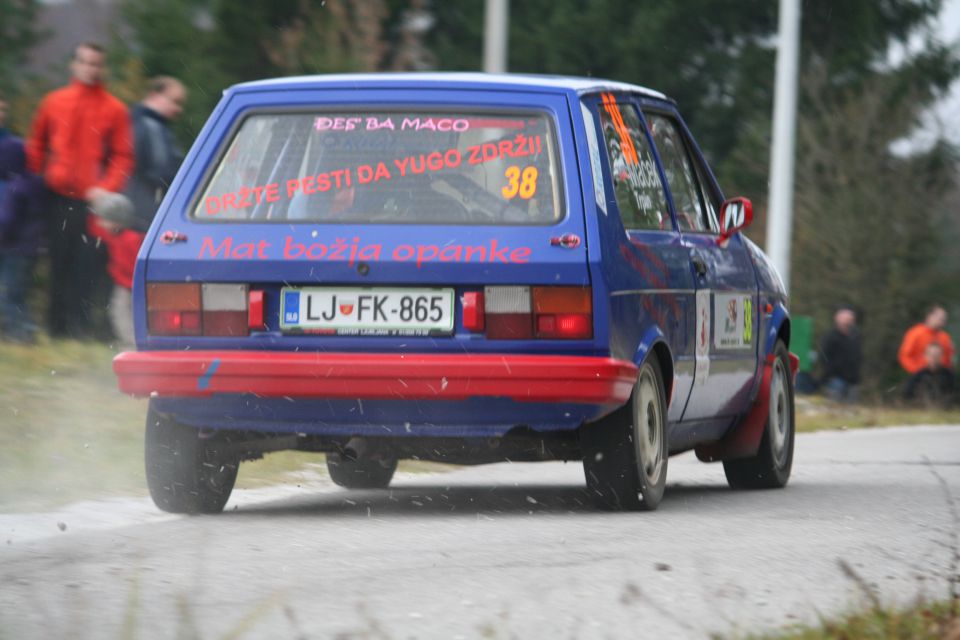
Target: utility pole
{"x": 780, "y": 211}
{"x": 495, "y": 36}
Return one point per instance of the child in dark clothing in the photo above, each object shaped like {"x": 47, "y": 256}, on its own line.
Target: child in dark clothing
{"x": 21, "y": 229}
{"x": 932, "y": 386}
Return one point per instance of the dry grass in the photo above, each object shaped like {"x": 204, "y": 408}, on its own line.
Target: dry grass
{"x": 925, "y": 621}
{"x": 815, "y": 413}
{"x": 65, "y": 431}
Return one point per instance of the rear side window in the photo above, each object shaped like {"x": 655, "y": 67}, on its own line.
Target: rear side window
{"x": 397, "y": 167}
{"x": 633, "y": 170}
{"x": 679, "y": 171}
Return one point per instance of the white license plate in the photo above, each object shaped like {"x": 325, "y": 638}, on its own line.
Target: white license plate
{"x": 376, "y": 311}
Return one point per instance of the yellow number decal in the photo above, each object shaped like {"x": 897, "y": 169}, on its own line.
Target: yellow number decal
{"x": 747, "y": 320}
{"x": 512, "y": 175}
{"x": 528, "y": 182}
{"x": 524, "y": 184}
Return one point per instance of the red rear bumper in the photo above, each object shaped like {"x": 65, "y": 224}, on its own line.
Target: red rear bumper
{"x": 525, "y": 378}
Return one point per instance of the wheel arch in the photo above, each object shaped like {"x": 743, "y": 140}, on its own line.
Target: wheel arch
{"x": 665, "y": 359}
{"x": 778, "y": 328}
{"x": 654, "y": 344}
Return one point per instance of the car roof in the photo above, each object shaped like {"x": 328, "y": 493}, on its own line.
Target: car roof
{"x": 449, "y": 80}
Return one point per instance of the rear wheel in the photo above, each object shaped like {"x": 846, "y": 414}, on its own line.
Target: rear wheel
{"x": 625, "y": 454}
{"x": 186, "y": 473}
{"x": 361, "y": 473}
{"x": 770, "y": 468}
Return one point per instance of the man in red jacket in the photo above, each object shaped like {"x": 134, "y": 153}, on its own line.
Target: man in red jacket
{"x": 913, "y": 350}
{"x": 81, "y": 144}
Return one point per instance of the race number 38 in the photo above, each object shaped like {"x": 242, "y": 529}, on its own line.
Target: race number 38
{"x": 747, "y": 320}
{"x": 522, "y": 183}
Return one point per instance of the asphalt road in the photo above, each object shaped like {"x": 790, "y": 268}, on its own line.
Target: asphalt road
{"x": 500, "y": 551}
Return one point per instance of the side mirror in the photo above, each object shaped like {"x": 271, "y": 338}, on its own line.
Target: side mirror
{"x": 736, "y": 214}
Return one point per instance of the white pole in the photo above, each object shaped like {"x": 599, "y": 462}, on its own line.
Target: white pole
{"x": 495, "y": 36}
{"x": 780, "y": 216}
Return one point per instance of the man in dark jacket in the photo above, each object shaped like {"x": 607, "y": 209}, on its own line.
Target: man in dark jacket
{"x": 157, "y": 154}
{"x": 840, "y": 357}
{"x": 157, "y": 160}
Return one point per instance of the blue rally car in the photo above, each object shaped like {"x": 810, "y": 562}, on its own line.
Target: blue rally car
{"x": 458, "y": 267}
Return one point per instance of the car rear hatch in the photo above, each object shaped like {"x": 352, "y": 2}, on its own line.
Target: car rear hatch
{"x": 450, "y": 221}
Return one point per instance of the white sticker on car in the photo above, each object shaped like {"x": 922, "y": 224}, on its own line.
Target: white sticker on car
{"x": 593, "y": 146}
{"x": 734, "y": 320}
{"x": 703, "y": 337}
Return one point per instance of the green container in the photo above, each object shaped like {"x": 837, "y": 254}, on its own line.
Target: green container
{"x": 801, "y": 341}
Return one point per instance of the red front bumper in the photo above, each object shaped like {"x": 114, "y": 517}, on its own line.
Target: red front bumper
{"x": 525, "y": 378}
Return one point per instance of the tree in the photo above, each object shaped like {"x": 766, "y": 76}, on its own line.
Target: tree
{"x": 871, "y": 227}
{"x": 176, "y": 38}
{"x": 18, "y": 33}
{"x": 869, "y": 224}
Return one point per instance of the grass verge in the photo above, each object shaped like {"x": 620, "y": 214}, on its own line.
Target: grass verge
{"x": 66, "y": 433}
{"x": 815, "y": 413}
{"x": 925, "y": 621}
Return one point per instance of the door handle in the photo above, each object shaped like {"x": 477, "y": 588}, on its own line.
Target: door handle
{"x": 700, "y": 266}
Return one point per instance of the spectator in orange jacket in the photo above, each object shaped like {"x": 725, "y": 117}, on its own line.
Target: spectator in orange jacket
{"x": 81, "y": 144}
{"x": 913, "y": 348}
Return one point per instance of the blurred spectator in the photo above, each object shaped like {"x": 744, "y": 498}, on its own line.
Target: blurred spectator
{"x": 932, "y": 386}
{"x": 157, "y": 160}
{"x": 21, "y": 226}
{"x": 4, "y": 133}
{"x": 80, "y": 142}
{"x": 840, "y": 357}
{"x": 912, "y": 354}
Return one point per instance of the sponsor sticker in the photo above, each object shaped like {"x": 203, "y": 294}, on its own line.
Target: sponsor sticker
{"x": 734, "y": 320}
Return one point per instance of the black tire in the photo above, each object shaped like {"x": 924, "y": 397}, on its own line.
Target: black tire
{"x": 364, "y": 473}
{"x": 186, "y": 473}
{"x": 770, "y": 468}
{"x": 625, "y": 458}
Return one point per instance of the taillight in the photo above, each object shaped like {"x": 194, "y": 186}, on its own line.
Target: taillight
{"x": 508, "y": 313}
{"x": 173, "y": 309}
{"x": 472, "y": 303}
{"x": 564, "y": 313}
{"x": 191, "y": 309}
{"x": 224, "y": 310}
{"x": 551, "y": 313}
{"x": 255, "y": 317}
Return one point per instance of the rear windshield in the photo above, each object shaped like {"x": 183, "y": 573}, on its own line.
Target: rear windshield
{"x": 396, "y": 167}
